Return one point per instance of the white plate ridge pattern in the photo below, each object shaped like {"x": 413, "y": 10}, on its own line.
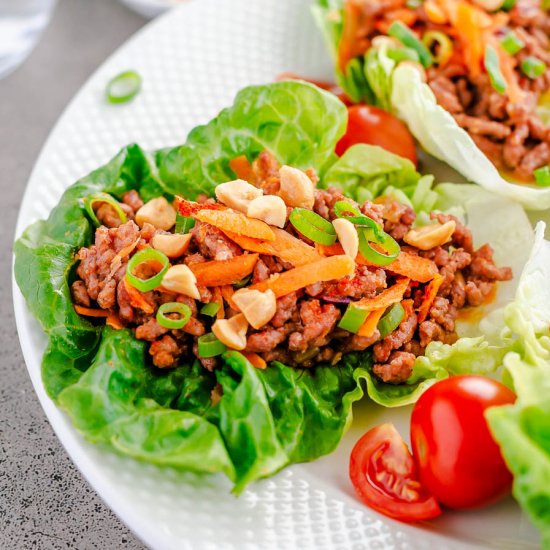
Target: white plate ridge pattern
{"x": 193, "y": 61}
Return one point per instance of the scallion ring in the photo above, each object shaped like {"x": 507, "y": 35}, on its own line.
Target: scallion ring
{"x": 184, "y": 224}
{"x": 492, "y": 65}
{"x": 313, "y": 226}
{"x": 343, "y": 207}
{"x": 210, "y": 309}
{"x": 384, "y": 241}
{"x": 106, "y": 198}
{"x": 144, "y": 256}
{"x": 242, "y": 282}
{"x": 210, "y": 346}
{"x": 402, "y": 54}
{"x": 123, "y": 87}
{"x": 173, "y": 307}
{"x": 542, "y": 176}
{"x": 442, "y": 44}
{"x": 406, "y": 36}
{"x": 511, "y": 43}
{"x": 390, "y": 320}
{"x": 532, "y": 67}
{"x": 353, "y": 318}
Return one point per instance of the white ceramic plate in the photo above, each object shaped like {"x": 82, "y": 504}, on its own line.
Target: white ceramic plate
{"x": 193, "y": 61}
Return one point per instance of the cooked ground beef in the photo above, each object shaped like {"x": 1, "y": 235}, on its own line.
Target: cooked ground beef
{"x": 510, "y": 133}
{"x": 304, "y": 330}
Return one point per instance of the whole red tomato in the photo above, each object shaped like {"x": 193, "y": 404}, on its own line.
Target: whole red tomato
{"x": 374, "y": 126}
{"x": 458, "y": 461}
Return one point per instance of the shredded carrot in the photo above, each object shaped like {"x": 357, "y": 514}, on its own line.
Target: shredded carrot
{"x": 406, "y": 264}
{"x": 242, "y": 168}
{"x": 116, "y": 262}
{"x": 136, "y": 298}
{"x": 90, "y": 312}
{"x": 227, "y": 293}
{"x": 470, "y": 22}
{"x": 371, "y": 322}
{"x": 113, "y": 320}
{"x": 229, "y": 220}
{"x": 350, "y": 44}
{"x": 407, "y": 17}
{"x": 254, "y": 359}
{"x": 326, "y": 269}
{"x": 285, "y": 246}
{"x": 386, "y": 298}
{"x": 430, "y": 293}
{"x": 224, "y": 272}
{"x": 217, "y": 297}
{"x": 434, "y": 13}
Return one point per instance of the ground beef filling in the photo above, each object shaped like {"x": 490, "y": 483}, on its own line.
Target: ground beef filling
{"x": 512, "y": 135}
{"x": 304, "y": 330}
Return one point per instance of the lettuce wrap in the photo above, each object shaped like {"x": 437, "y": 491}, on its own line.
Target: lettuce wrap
{"x": 378, "y": 79}
{"x": 265, "y": 419}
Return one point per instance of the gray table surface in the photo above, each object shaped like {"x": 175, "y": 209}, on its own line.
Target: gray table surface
{"x": 44, "y": 501}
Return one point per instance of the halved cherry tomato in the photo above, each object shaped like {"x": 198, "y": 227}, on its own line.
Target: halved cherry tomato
{"x": 374, "y": 126}
{"x": 458, "y": 460}
{"x": 384, "y": 476}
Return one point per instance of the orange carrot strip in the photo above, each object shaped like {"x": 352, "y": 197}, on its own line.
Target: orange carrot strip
{"x": 190, "y": 208}
{"x": 136, "y": 298}
{"x": 371, "y": 322}
{"x": 242, "y": 168}
{"x": 470, "y": 22}
{"x": 229, "y": 220}
{"x": 254, "y": 359}
{"x": 227, "y": 293}
{"x": 285, "y": 246}
{"x": 386, "y": 298}
{"x": 326, "y": 269}
{"x": 113, "y": 320}
{"x": 430, "y": 293}
{"x": 224, "y": 272}
{"x": 406, "y": 264}
{"x": 217, "y": 297}
{"x": 434, "y": 13}
{"x": 90, "y": 312}
{"x": 350, "y": 44}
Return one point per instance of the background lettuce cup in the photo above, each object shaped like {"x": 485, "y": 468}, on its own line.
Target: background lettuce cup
{"x": 463, "y": 80}
{"x": 267, "y": 419}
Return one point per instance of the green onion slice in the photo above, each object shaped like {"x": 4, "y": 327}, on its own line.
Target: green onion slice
{"x": 492, "y": 64}
{"x": 243, "y": 282}
{"x": 173, "y": 307}
{"x": 542, "y": 176}
{"x": 406, "y": 36}
{"x": 341, "y": 207}
{"x": 89, "y": 202}
{"x": 210, "y": 309}
{"x": 511, "y": 43}
{"x": 313, "y": 226}
{"x": 533, "y": 67}
{"x": 444, "y": 45}
{"x": 384, "y": 241}
{"x": 144, "y": 256}
{"x": 353, "y": 318}
{"x": 210, "y": 346}
{"x": 123, "y": 87}
{"x": 403, "y": 54}
{"x": 391, "y": 320}
{"x": 184, "y": 224}
{"x": 507, "y": 5}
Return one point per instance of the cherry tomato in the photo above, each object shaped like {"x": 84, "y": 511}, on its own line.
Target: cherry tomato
{"x": 458, "y": 460}
{"x": 383, "y": 474}
{"x": 374, "y": 126}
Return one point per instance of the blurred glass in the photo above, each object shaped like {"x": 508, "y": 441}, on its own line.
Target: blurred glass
{"x": 21, "y": 24}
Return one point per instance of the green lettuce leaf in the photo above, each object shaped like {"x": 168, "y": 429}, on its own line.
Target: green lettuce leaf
{"x": 523, "y": 429}
{"x": 299, "y": 123}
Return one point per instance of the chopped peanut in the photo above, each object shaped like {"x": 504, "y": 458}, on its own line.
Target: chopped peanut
{"x": 180, "y": 279}
{"x": 296, "y": 188}
{"x": 173, "y": 245}
{"x": 232, "y": 332}
{"x": 258, "y": 307}
{"x": 237, "y": 194}
{"x": 270, "y": 209}
{"x": 430, "y": 236}
{"x": 347, "y": 235}
{"x": 158, "y": 212}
